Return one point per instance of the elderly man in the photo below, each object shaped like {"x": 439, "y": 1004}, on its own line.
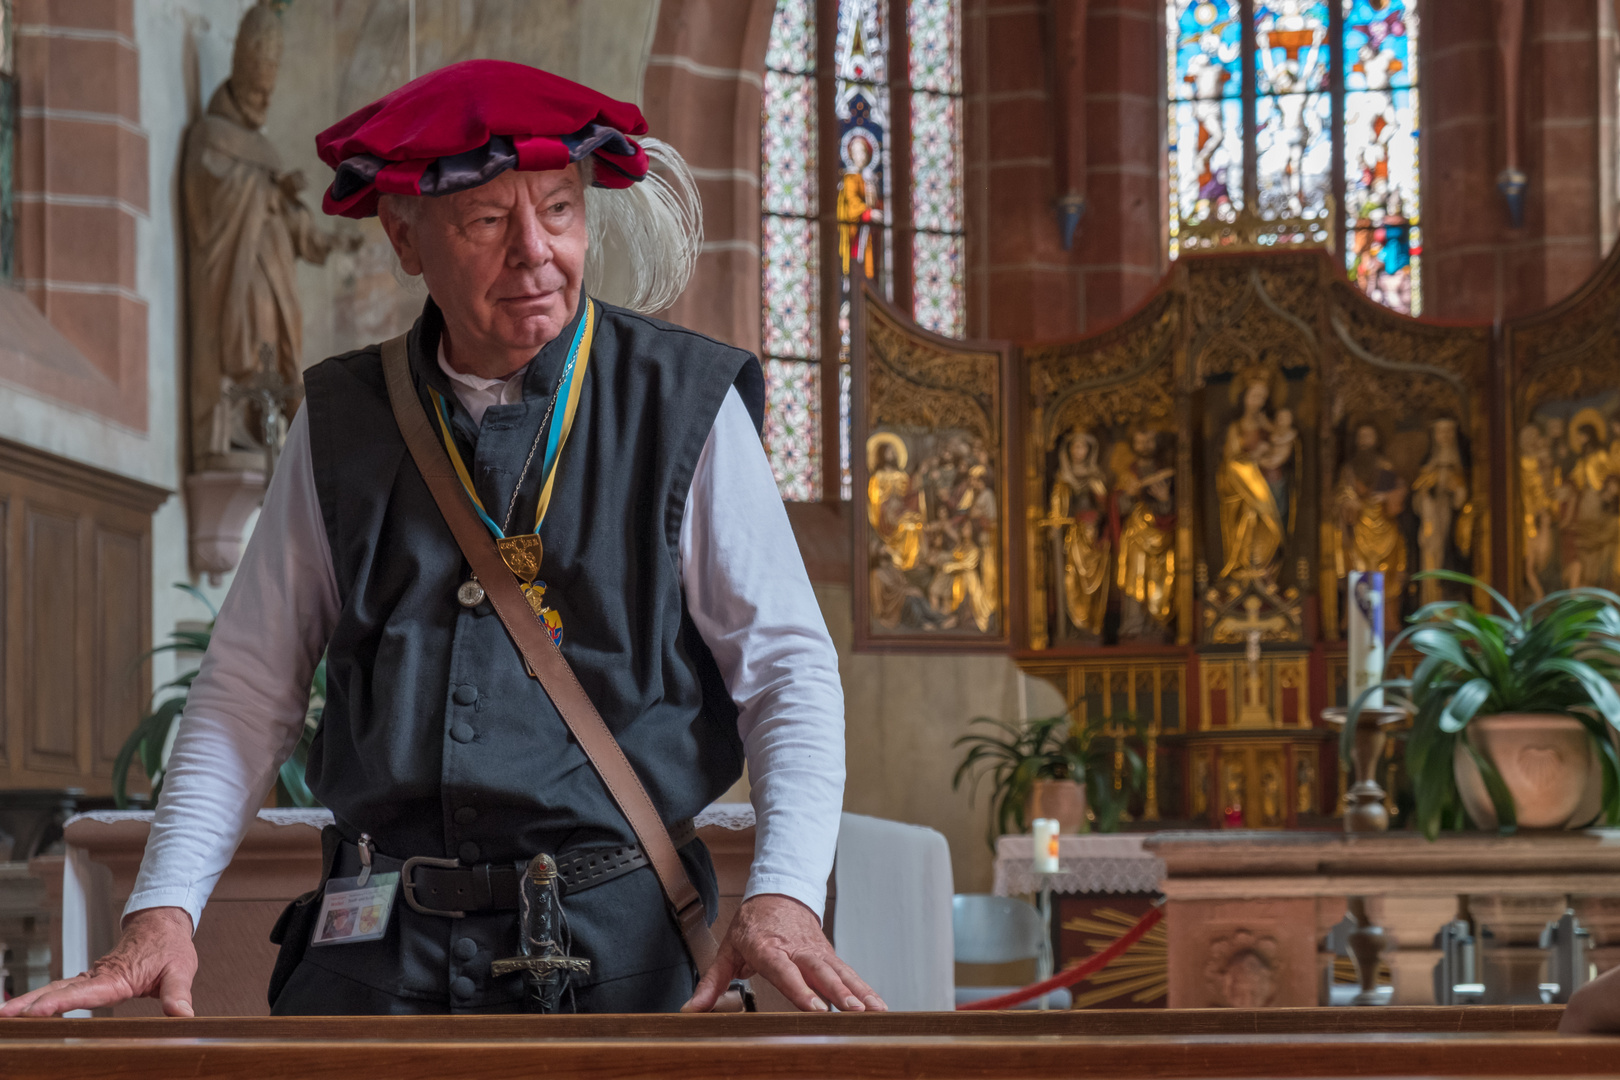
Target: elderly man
{"x": 612, "y": 462}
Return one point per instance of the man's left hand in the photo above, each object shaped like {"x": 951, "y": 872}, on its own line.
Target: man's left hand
{"x": 781, "y": 939}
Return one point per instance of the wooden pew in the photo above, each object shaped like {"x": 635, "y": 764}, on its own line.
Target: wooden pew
{"x": 1187, "y": 1044}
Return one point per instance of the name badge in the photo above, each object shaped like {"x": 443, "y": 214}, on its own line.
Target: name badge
{"x": 352, "y": 912}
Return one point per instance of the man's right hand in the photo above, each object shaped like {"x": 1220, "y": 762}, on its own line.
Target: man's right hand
{"x": 154, "y": 958}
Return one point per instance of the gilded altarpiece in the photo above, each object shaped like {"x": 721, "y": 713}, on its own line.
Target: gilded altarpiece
{"x": 1563, "y": 476}
{"x": 1195, "y": 483}
{"x": 928, "y": 423}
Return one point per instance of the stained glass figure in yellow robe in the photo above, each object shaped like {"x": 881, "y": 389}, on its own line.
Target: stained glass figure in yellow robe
{"x": 856, "y": 210}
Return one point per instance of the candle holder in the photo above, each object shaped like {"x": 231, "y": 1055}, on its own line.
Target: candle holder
{"x": 1364, "y": 810}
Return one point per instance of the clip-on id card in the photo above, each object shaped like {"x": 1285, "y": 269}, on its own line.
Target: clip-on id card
{"x": 352, "y": 912}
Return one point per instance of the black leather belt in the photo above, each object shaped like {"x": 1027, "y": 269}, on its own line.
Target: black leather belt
{"x": 445, "y": 887}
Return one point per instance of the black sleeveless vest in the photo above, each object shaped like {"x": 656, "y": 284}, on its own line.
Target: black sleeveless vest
{"x": 434, "y": 740}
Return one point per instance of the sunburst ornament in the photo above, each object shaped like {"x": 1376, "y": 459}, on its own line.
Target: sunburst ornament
{"x": 1143, "y": 971}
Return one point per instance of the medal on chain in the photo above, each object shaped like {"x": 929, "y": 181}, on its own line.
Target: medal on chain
{"x": 523, "y": 553}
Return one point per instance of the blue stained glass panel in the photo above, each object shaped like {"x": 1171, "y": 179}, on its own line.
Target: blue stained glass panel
{"x": 1294, "y": 154}
{"x": 1380, "y": 46}
{"x": 1292, "y": 51}
{"x": 1206, "y": 49}
{"x": 1383, "y": 205}
{"x": 1206, "y": 163}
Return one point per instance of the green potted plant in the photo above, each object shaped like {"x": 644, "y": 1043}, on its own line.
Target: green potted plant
{"x": 1050, "y": 767}
{"x": 154, "y": 732}
{"x": 1513, "y": 714}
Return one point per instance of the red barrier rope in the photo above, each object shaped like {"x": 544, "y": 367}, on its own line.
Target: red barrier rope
{"x": 1090, "y": 966}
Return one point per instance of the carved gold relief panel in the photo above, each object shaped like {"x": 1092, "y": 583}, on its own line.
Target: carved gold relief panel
{"x": 1406, "y": 486}
{"x": 1563, "y": 475}
{"x": 929, "y": 427}
{"x": 1105, "y": 540}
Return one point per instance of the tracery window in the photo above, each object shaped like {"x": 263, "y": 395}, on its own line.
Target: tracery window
{"x": 860, "y": 176}
{"x": 1301, "y": 109}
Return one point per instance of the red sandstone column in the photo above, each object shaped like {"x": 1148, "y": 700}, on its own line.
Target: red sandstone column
{"x": 1463, "y": 213}
{"x": 1561, "y": 136}
{"x": 1121, "y": 245}
{"x": 701, "y": 94}
{"x": 1024, "y": 285}
{"x": 81, "y": 182}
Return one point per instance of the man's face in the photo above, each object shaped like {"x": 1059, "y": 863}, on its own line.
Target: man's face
{"x": 1366, "y": 437}
{"x": 1144, "y": 443}
{"x": 503, "y": 261}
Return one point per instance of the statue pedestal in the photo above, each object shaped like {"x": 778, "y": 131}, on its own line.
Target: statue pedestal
{"x": 219, "y": 503}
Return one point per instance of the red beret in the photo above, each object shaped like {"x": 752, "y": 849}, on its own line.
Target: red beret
{"x": 463, "y": 125}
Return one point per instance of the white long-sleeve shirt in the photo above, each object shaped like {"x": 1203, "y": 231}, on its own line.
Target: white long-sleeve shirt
{"x": 745, "y": 587}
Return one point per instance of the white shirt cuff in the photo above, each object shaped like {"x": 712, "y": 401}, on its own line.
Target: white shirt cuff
{"x": 810, "y": 894}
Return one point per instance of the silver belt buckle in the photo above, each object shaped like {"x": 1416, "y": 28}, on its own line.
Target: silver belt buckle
{"x": 407, "y": 877}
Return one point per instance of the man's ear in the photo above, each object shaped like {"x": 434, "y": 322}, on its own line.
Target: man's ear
{"x": 402, "y": 235}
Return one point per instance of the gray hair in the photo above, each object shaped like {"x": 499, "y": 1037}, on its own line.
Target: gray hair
{"x": 643, "y": 241}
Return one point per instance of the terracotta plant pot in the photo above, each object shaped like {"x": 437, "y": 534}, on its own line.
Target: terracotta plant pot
{"x": 1064, "y": 800}
{"x": 1548, "y": 763}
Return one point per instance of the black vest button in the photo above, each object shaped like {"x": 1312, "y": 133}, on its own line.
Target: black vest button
{"x": 462, "y": 733}
{"x": 466, "y": 815}
{"x": 463, "y": 987}
{"x": 466, "y": 949}
{"x": 468, "y": 852}
{"x": 465, "y": 695}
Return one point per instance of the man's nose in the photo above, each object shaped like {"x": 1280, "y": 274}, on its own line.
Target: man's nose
{"x": 528, "y": 243}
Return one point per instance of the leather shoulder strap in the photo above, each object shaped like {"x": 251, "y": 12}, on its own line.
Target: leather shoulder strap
{"x": 545, "y": 660}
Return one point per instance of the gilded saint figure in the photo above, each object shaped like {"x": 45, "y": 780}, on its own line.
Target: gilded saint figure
{"x": 1255, "y": 479}
{"x": 1146, "y": 575}
{"x": 1440, "y": 500}
{"x": 1537, "y": 485}
{"x": 894, "y": 510}
{"x": 1077, "y": 518}
{"x": 1370, "y": 497}
{"x": 1589, "y": 501}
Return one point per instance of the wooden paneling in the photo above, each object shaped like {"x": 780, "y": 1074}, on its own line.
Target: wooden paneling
{"x": 123, "y": 571}
{"x": 50, "y": 649}
{"x": 76, "y": 599}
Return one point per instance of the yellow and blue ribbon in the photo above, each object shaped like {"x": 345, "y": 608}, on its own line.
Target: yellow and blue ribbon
{"x": 570, "y": 386}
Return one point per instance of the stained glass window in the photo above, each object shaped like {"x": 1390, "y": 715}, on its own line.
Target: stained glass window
{"x": 818, "y": 244}
{"x": 789, "y": 253}
{"x": 1206, "y": 113}
{"x": 938, "y": 292}
{"x": 1383, "y": 242}
{"x": 1295, "y": 106}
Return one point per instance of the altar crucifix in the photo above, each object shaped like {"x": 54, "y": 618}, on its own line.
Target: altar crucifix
{"x": 1253, "y": 628}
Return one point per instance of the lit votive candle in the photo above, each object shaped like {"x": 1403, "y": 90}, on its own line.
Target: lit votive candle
{"x": 1045, "y": 833}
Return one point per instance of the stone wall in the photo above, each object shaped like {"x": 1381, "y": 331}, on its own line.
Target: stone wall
{"x": 1477, "y": 266}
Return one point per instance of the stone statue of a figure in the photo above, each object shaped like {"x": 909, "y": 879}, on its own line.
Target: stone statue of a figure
{"x": 245, "y": 227}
